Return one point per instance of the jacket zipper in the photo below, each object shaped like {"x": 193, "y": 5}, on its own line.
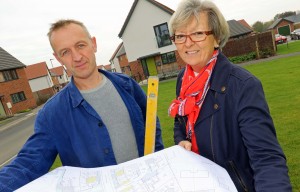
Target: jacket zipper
{"x": 211, "y": 134}
{"x": 211, "y": 138}
{"x": 238, "y": 176}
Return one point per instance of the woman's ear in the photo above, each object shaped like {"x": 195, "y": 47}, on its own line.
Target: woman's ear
{"x": 216, "y": 43}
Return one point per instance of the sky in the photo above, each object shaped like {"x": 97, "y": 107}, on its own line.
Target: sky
{"x": 24, "y": 24}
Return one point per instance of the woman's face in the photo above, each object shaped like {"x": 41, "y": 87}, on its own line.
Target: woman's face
{"x": 196, "y": 54}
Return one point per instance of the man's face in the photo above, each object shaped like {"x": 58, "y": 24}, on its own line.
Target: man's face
{"x": 74, "y": 49}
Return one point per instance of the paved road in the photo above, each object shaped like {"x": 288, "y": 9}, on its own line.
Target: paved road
{"x": 13, "y": 134}
{"x": 12, "y": 139}
{"x": 17, "y": 118}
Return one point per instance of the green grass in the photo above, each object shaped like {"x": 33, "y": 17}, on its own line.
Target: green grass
{"x": 280, "y": 79}
{"x": 290, "y": 47}
{"x": 166, "y": 93}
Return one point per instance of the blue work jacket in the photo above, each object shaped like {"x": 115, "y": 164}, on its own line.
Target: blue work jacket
{"x": 67, "y": 125}
{"x": 235, "y": 130}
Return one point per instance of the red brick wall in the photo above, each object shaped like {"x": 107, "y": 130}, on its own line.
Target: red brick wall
{"x": 42, "y": 96}
{"x": 15, "y": 86}
{"x": 179, "y": 61}
{"x": 123, "y": 61}
{"x": 137, "y": 72}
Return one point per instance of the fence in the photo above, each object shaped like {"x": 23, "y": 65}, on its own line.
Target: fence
{"x": 262, "y": 44}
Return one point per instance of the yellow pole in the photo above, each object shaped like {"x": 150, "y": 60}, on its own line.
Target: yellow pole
{"x": 151, "y": 114}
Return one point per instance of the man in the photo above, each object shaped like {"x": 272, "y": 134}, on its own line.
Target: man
{"x": 97, "y": 120}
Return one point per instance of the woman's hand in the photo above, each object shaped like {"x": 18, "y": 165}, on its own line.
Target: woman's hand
{"x": 186, "y": 144}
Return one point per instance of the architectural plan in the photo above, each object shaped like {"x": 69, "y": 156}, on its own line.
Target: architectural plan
{"x": 173, "y": 169}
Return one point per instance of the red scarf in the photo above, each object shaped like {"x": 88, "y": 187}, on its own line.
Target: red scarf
{"x": 192, "y": 94}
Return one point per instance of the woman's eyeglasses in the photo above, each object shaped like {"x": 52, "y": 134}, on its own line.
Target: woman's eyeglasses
{"x": 195, "y": 37}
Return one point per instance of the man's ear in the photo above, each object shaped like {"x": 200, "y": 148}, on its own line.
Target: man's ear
{"x": 94, "y": 42}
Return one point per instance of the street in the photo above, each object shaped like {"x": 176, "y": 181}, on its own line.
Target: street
{"x": 13, "y": 137}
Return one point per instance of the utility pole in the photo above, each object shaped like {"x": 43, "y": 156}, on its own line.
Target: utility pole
{"x": 51, "y": 62}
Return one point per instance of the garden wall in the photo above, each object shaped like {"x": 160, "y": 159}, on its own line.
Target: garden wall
{"x": 262, "y": 44}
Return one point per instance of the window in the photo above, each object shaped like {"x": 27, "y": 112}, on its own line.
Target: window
{"x": 162, "y": 35}
{"x": 168, "y": 57}
{"x": 8, "y": 75}
{"x": 18, "y": 97}
{"x": 123, "y": 69}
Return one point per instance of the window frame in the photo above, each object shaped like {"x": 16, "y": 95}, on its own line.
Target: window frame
{"x": 18, "y": 97}
{"x": 166, "y": 59}
{"x": 163, "y": 34}
{"x": 9, "y": 75}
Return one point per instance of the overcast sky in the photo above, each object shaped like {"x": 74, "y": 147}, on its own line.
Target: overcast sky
{"x": 25, "y": 23}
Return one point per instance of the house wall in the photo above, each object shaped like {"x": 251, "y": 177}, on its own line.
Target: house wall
{"x": 260, "y": 43}
{"x": 123, "y": 61}
{"x": 15, "y": 86}
{"x": 163, "y": 70}
{"x": 116, "y": 65}
{"x": 43, "y": 95}
{"x": 139, "y": 36}
{"x": 40, "y": 83}
{"x": 137, "y": 71}
{"x": 62, "y": 79}
{"x": 282, "y": 24}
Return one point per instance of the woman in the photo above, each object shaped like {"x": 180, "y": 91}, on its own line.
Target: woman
{"x": 220, "y": 111}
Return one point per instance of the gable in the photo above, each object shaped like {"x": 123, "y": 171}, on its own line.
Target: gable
{"x": 7, "y": 61}
{"x": 116, "y": 51}
{"x": 140, "y": 36}
{"x": 36, "y": 70}
{"x": 290, "y": 19}
{"x": 155, "y": 3}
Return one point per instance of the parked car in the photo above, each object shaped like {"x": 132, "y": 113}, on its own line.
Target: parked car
{"x": 280, "y": 39}
{"x": 295, "y": 34}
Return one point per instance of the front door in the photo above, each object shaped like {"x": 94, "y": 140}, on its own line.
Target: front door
{"x": 151, "y": 66}
{"x": 2, "y": 111}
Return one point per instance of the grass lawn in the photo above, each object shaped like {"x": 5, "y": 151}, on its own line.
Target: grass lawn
{"x": 290, "y": 47}
{"x": 280, "y": 79}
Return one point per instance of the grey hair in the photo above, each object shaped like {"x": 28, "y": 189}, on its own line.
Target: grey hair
{"x": 62, "y": 23}
{"x": 189, "y": 9}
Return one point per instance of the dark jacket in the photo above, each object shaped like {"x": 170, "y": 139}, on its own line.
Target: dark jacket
{"x": 235, "y": 130}
{"x": 67, "y": 125}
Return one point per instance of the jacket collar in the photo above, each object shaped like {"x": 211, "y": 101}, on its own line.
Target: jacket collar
{"x": 75, "y": 95}
{"x": 220, "y": 76}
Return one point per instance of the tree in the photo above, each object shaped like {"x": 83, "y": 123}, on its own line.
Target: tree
{"x": 267, "y": 25}
{"x": 258, "y": 26}
{"x": 284, "y": 14}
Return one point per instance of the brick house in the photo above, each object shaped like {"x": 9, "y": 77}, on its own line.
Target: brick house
{"x": 284, "y": 26}
{"x": 15, "y": 91}
{"x": 149, "y": 50}
{"x": 40, "y": 82}
{"x": 114, "y": 60}
{"x": 60, "y": 77}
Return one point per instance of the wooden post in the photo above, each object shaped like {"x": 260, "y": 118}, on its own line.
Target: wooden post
{"x": 151, "y": 114}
